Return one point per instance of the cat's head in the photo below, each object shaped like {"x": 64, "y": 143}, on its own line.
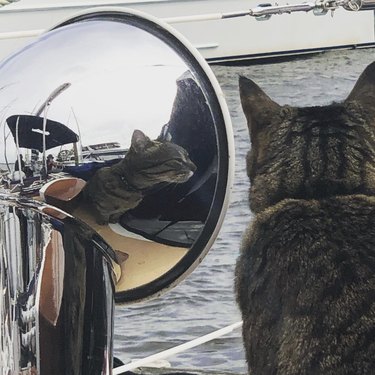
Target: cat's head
{"x": 150, "y": 162}
{"x": 310, "y": 152}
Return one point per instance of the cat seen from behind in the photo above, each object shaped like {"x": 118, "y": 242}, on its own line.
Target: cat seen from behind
{"x": 116, "y": 189}
{"x": 305, "y": 278}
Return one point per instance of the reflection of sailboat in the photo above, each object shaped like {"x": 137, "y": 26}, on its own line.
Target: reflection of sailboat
{"x": 29, "y": 130}
{"x": 38, "y": 134}
{"x": 41, "y": 134}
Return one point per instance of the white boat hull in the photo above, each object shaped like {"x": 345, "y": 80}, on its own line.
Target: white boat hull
{"x": 217, "y": 40}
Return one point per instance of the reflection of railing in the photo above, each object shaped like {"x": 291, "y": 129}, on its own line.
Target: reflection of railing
{"x": 260, "y": 12}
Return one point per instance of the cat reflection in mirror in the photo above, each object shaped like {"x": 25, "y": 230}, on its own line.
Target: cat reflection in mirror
{"x": 305, "y": 278}
{"x": 116, "y": 189}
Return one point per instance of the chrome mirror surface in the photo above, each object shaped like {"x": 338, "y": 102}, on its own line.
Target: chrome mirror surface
{"x": 114, "y": 119}
{"x": 56, "y": 301}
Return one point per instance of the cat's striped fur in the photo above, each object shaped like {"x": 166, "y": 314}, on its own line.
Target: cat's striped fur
{"x": 305, "y": 278}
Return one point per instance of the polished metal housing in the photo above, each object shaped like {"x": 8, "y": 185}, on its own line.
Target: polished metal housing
{"x": 56, "y": 300}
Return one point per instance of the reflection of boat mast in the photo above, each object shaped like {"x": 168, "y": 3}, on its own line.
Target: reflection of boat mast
{"x": 52, "y": 96}
{"x": 18, "y": 151}
{"x": 44, "y": 108}
{"x": 77, "y": 152}
{"x": 5, "y": 148}
{"x": 5, "y": 136}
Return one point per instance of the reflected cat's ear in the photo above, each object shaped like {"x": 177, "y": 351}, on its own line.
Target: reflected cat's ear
{"x": 256, "y": 104}
{"x": 364, "y": 90}
{"x": 139, "y": 141}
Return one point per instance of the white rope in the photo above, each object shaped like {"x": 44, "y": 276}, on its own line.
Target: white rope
{"x": 177, "y": 349}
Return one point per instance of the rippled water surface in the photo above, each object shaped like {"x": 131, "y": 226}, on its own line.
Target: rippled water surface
{"x": 205, "y": 301}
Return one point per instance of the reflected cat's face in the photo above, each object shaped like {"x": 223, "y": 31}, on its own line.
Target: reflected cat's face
{"x": 151, "y": 162}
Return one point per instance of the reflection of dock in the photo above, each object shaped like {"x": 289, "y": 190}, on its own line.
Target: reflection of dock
{"x": 147, "y": 260}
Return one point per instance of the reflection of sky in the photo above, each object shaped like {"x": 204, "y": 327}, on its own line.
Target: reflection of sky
{"x": 122, "y": 78}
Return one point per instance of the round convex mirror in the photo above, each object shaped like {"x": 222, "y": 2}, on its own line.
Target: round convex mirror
{"x": 115, "y": 119}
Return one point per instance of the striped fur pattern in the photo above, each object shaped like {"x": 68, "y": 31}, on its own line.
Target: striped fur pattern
{"x": 305, "y": 278}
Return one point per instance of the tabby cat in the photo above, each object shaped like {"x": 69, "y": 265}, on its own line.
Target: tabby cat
{"x": 305, "y": 278}
{"x": 114, "y": 190}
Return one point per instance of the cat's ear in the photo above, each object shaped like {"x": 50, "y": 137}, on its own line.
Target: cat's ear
{"x": 364, "y": 90}
{"x": 256, "y": 104}
{"x": 139, "y": 141}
